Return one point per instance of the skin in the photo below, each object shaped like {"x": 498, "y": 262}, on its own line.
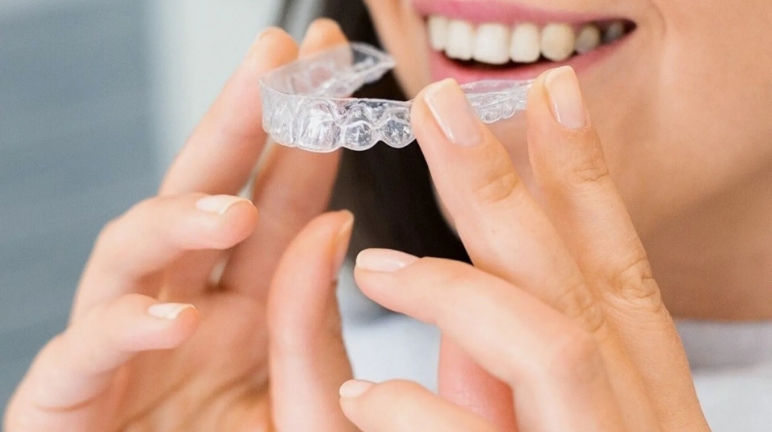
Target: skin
{"x": 559, "y": 324}
{"x": 683, "y": 123}
{"x": 682, "y": 110}
{"x": 245, "y": 354}
{"x": 574, "y": 326}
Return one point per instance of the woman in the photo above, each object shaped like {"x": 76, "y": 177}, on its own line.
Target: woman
{"x": 559, "y": 325}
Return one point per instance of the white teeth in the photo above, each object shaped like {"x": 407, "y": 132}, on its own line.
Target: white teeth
{"x": 492, "y": 45}
{"x": 614, "y": 31}
{"x": 557, "y": 41}
{"x": 461, "y": 40}
{"x": 588, "y": 39}
{"x": 525, "y": 46}
{"x": 438, "y": 32}
{"x": 498, "y": 44}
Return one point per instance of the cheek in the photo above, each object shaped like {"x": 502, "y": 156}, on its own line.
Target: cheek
{"x": 403, "y": 35}
{"x": 696, "y": 123}
{"x": 711, "y": 131}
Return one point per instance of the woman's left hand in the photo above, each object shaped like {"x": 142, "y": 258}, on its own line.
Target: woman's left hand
{"x": 560, "y": 305}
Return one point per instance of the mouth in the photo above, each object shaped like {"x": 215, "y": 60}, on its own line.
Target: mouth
{"x": 473, "y": 40}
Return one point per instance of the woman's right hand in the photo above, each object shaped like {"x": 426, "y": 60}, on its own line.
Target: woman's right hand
{"x": 155, "y": 343}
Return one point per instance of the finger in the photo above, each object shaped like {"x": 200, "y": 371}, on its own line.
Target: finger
{"x": 462, "y": 381}
{"x": 223, "y": 150}
{"x": 293, "y": 187}
{"x": 505, "y": 230}
{"x": 131, "y": 251}
{"x": 66, "y": 387}
{"x": 222, "y": 153}
{"x": 308, "y": 361}
{"x": 502, "y": 227}
{"x": 583, "y": 203}
{"x": 402, "y": 406}
{"x": 553, "y": 366}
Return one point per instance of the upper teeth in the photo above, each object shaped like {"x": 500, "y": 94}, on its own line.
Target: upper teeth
{"x": 497, "y": 44}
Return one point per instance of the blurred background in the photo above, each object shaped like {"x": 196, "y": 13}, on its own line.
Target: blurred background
{"x": 96, "y": 96}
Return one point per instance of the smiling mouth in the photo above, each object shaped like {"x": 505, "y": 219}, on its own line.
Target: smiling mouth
{"x": 478, "y": 39}
{"x": 525, "y": 43}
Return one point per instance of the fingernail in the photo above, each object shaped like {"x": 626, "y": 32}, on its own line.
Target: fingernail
{"x": 566, "y": 97}
{"x": 342, "y": 242}
{"x": 384, "y": 260}
{"x": 354, "y": 388}
{"x": 218, "y": 204}
{"x": 168, "y": 311}
{"x": 262, "y": 35}
{"x": 254, "y": 50}
{"x": 320, "y": 24}
{"x": 453, "y": 114}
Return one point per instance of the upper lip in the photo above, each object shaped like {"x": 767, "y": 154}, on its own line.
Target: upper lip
{"x": 482, "y": 11}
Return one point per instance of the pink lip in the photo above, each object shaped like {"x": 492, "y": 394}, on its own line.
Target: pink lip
{"x": 442, "y": 67}
{"x": 480, "y": 11}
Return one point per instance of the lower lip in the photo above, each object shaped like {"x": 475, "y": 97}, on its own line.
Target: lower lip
{"x": 443, "y": 67}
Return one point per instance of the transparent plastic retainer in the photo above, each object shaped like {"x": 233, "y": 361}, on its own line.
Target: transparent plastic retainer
{"x": 305, "y": 103}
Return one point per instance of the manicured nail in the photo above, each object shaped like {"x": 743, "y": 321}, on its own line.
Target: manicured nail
{"x": 168, "y": 311}
{"x": 452, "y": 112}
{"x": 566, "y": 97}
{"x": 218, "y": 204}
{"x": 354, "y": 388}
{"x": 342, "y": 242}
{"x": 384, "y": 260}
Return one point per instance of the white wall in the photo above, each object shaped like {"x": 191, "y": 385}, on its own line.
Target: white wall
{"x": 197, "y": 45}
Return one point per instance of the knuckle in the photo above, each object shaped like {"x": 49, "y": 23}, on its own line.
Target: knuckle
{"x": 574, "y": 357}
{"x": 580, "y": 304}
{"x": 456, "y": 278}
{"x": 458, "y": 281}
{"x": 452, "y": 273}
{"x": 589, "y": 172}
{"x": 499, "y": 185}
{"x": 589, "y": 167}
{"x": 635, "y": 285}
{"x": 115, "y": 234}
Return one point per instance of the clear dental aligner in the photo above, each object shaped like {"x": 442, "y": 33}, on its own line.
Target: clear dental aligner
{"x": 305, "y": 103}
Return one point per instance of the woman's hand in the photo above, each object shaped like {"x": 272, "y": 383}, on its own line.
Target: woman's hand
{"x": 560, "y": 305}
{"x": 155, "y": 343}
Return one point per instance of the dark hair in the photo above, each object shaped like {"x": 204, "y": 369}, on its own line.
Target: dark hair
{"x": 389, "y": 190}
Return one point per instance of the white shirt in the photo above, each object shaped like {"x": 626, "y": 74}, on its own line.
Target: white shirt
{"x": 731, "y": 363}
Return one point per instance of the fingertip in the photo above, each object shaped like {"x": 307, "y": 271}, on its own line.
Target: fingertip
{"x": 425, "y": 127}
{"x": 236, "y": 224}
{"x": 136, "y": 323}
{"x": 182, "y": 328}
{"x": 351, "y": 393}
{"x": 178, "y": 322}
{"x": 272, "y": 47}
{"x": 325, "y": 26}
{"x": 323, "y": 33}
{"x": 555, "y": 100}
{"x": 169, "y": 311}
{"x": 271, "y": 35}
{"x": 353, "y": 388}
{"x": 272, "y": 31}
